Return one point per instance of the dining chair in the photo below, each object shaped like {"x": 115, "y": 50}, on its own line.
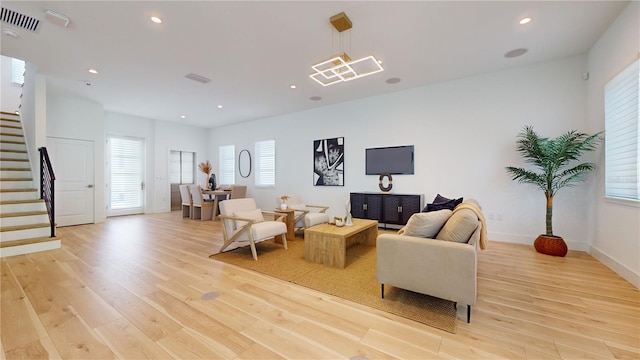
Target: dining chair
{"x": 187, "y": 202}
{"x": 238, "y": 192}
{"x": 243, "y": 221}
{"x": 202, "y": 209}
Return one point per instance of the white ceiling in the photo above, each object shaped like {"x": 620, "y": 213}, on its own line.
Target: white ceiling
{"x": 253, "y": 50}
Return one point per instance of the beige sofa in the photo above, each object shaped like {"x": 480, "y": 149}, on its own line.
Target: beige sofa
{"x": 444, "y": 265}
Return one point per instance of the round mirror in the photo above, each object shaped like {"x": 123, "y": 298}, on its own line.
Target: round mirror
{"x": 244, "y": 163}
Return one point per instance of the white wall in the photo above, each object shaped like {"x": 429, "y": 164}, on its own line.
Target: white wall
{"x": 464, "y": 133}
{"x": 10, "y": 97}
{"x": 616, "y": 231}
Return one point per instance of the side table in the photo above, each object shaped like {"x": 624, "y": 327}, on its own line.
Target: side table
{"x": 291, "y": 234}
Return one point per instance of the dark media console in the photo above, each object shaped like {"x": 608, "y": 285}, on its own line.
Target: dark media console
{"x": 386, "y": 208}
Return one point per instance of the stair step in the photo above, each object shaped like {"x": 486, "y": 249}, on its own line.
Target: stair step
{"x": 36, "y": 240}
{"x": 17, "y": 173}
{"x": 23, "y": 213}
{"x": 17, "y": 142}
{"x": 12, "y": 135}
{"x": 24, "y": 219}
{"x": 24, "y": 195}
{"x": 8, "y": 207}
{"x": 31, "y": 245}
{"x": 16, "y": 179}
{"x": 14, "y": 159}
{"x": 10, "y": 127}
{"x": 24, "y": 227}
{"x": 17, "y": 190}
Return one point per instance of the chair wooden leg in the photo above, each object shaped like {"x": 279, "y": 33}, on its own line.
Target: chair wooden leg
{"x": 284, "y": 241}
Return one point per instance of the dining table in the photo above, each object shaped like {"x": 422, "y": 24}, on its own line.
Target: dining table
{"x": 216, "y": 196}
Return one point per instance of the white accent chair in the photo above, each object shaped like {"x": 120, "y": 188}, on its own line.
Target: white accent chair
{"x": 187, "y": 202}
{"x": 202, "y": 209}
{"x": 243, "y": 221}
{"x": 305, "y": 215}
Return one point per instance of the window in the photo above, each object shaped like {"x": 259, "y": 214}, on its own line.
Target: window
{"x": 622, "y": 172}
{"x": 126, "y": 174}
{"x": 266, "y": 163}
{"x": 17, "y": 71}
{"x": 227, "y": 172}
{"x": 181, "y": 167}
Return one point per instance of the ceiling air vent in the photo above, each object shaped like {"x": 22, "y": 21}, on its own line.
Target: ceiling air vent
{"x": 20, "y": 20}
{"x": 198, "y": 78}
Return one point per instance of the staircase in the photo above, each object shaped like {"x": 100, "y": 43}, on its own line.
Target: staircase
{"x": 24, "y": 222}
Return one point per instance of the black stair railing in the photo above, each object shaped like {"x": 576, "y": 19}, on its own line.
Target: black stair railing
{"x": 47, "y": 187}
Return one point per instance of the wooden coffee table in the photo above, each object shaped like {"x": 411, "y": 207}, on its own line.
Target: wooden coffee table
{"x": 327, "y": 244}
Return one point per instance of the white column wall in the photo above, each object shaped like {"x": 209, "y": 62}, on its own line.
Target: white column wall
{"x": 616, "y": 231}
{"x": 74, "y": 118}
{"x": 464, "y": 133}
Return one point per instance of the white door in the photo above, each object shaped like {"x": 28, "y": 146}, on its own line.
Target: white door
{"x": 72, "y": 162}
{"x": 125, "y": 174}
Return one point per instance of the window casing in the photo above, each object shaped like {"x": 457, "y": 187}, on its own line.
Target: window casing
{"x": 227, "y": 165}
{"x": 265, "y": 164}
{"x": 622, "y": 170}
{"x": 17, "y": 71}
{"x": 181, "y": 167}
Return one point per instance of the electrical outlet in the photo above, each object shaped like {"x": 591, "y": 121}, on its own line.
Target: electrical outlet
{"x": 491, "y": 216}
{"x": 499, "y": 217}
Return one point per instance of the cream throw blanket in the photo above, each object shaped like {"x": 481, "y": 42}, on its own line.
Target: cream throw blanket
{"x": 473, "y": 207}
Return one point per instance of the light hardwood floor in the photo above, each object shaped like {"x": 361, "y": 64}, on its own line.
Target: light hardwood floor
{"x": 131, "y": 288}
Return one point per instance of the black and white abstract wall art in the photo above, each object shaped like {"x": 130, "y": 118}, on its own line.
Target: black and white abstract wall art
{"x": 328, "y": 162}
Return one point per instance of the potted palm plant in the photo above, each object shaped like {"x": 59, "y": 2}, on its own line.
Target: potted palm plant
{"x": 555, "y": 160}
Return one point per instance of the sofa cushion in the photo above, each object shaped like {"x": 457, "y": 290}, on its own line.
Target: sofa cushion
{"x": 440, "y": 202}
{"x": 459, "y": 227}
{"x": 426, "y": 224}
{"x": 255, "y": 215}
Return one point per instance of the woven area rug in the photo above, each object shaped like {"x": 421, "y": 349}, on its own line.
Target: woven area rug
{"x": 356, "y": 282}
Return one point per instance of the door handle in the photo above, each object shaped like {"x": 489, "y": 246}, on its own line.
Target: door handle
{"x": 90, "y": 186}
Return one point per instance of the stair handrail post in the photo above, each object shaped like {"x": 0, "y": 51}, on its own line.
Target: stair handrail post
{"x": 47, "y": 186}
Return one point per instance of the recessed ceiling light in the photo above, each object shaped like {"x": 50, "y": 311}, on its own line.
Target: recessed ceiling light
{"x": 10, "y": 32}
{"x": 515, "y": 53}
{"x": 393, "y": 80}
{"x": 315, "y": 98}
{"x": 292, "y": 86}
{"x": 156, "y": 19}
{"x": 219, "y": 106}
{"x": 93, "y": 71}
{"x": 183, "y": 116}
{"x": 525, "y": 20}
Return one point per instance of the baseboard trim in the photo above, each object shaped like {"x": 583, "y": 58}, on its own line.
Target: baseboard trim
{"x": 617, "y": 267}
{"x": 528, "y": 240}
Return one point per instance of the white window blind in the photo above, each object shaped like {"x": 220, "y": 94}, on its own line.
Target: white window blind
{"x": 265, "y": 163}
{"x": 622, "y": 171}
{"x": 227, "y": 165}
{"x": 17, "y": 71}
{"x": 127, "y": 159}
{"x": 181, "y": 167}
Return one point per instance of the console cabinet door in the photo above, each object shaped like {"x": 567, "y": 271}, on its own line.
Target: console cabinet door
{"x": 391, "y": 206}
{"x": 410, "y": 205}
{"x": 366, "y": 206}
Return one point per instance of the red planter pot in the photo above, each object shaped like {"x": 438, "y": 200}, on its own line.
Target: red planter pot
{"x": 550, "y": 245}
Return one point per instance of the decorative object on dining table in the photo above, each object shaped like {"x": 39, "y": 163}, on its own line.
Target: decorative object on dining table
{"x": 284, "y": 199}
{"x": 212, "y": 181}
{"x": 349, "y": 220}
{"x": 206, "y": 168}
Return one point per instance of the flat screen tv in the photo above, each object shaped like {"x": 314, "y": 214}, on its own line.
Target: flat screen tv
{"x": 393, "y": 160}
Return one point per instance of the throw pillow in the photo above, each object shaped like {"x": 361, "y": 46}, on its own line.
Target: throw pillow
{"x": 459, "y": 227}
{"x": 255, "y": 215}
{"x": 426, "y": 224}
{"x": 440, "y": 202}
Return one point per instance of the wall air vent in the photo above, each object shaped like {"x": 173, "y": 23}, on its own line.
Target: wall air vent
{"x": 20, "y": 20}
{"x": 199, "y": 78}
